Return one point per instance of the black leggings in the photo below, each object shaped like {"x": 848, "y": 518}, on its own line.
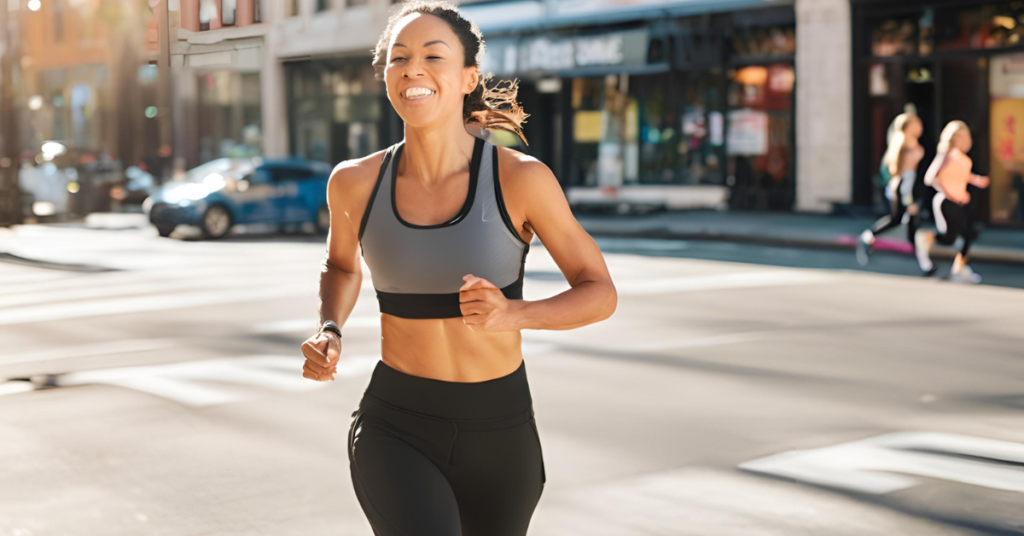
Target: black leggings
{"x": 895, "y": 217}
{"x": 953, "y": 220}
{"x": 431, "y": 457}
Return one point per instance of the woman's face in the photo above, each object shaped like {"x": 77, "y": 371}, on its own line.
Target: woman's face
{"x": 914, "y": 128}
{"x": 962, "y": 140}
{"x": 425, "y": 54}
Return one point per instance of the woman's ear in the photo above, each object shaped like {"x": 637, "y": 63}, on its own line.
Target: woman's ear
{"x": 472, "y": 79}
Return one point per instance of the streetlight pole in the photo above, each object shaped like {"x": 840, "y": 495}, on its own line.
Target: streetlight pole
{"x": 11, "y": 211}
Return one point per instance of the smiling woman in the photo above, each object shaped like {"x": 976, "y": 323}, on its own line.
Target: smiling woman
{"x": 444, "y": 441}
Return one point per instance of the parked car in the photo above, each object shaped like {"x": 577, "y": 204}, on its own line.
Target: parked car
{"x": 228, "y": 191}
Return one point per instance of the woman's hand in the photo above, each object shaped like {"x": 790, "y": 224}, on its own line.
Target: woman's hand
{"x": 980, "y": 181}
{"x": 485, "y": 308}
{"x": 321, "y": 351}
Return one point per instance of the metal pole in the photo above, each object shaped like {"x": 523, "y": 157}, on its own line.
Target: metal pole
{"x": 10, "y": 195}
{"x": 163, "y": 89}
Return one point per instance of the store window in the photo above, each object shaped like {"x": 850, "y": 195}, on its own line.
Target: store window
{"x": 335, "y": 109}
{"x": 660, "y": 129}
{"x": 1007, "y": 139}
{"x": 759, "y": 141}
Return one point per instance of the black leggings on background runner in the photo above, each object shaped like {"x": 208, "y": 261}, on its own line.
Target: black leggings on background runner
{"x": 953, "y": 220}
{"x": 895, "y": 218}
{"x": 431, "y": 457}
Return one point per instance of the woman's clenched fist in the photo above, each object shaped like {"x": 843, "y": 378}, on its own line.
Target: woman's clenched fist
{"x": 322, "y": 352}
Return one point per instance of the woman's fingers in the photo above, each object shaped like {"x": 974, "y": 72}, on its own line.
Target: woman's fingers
{"x": 314, "y": 371}
{"x": 475, "y": 308}
{"x": 472, "y": 281}
{"x": 312, "y": 352}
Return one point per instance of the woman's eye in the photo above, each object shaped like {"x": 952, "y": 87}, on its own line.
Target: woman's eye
{"x": 396, "y": 59}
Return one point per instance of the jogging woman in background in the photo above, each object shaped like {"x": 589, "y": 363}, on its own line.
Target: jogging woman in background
{"x": 954, "y": 209}
{"x": 899, "y": 165}
{"x": 444, "y": 441}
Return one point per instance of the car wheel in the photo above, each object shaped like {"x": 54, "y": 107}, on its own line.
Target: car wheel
{"x": 165, "y": 230}
{"x": 216, "y": 222}
{"x": 323, "y": 220}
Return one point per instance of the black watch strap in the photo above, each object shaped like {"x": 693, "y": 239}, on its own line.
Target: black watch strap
{"x": 329, "y": 325}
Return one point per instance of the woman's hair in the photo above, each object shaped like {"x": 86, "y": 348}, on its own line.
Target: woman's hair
{"x": 945, "y": 140}
{"x": 897, "y": 138}
{"x": 492, "y": 106}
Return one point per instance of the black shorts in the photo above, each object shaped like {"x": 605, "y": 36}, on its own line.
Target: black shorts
{"x": 953, "y": 220}
{"x": 430, "y": 457}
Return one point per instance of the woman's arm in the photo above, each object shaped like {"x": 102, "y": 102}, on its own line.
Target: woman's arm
{"x": 341, "y": 274}
{"x": 592, "y": 297}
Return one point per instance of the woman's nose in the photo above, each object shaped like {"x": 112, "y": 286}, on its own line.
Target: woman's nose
{"x": 412, "y": 69}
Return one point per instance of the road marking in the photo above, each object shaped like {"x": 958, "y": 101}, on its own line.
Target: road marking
{"x": 760, "y": 278}
{"x": 15, "y": 387}
{"x": 216, "y": 381}
{"x": 90, "y": 350}
{"x": 868, "y": 465}
{"x": 309, "y": 324}
{"x": 141, "y": 304}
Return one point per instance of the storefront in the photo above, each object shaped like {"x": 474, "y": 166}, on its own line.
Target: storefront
{"x": 337, "y": 110}
{"x": 692, "y": 112}
{"x": 952, "y": 60}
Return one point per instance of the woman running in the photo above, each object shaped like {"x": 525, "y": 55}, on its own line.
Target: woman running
{"x": 953, "y": 207}
{"x": 899, "y": 164}
{"x": 444, "y": 440}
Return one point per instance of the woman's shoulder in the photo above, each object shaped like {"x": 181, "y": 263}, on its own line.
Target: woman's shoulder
{"x": 522, "y": 169}
{"x": 357, "y": 174}
{"x": 956, "y": 156}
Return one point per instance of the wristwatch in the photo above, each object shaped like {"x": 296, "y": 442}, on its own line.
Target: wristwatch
{"x": 329, "y": 325}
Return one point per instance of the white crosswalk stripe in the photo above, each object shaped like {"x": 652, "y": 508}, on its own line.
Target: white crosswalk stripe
{"x": 209, "y": 382}
{"x": 170, "y": 275}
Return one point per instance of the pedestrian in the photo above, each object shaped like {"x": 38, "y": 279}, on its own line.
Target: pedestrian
{"x": 899, "y": 168}
{"x": 954, "y": 207}
{"x": 444, "y": 440}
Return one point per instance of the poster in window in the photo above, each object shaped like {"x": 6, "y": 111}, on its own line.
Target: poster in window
{"x": 748, "y": 133}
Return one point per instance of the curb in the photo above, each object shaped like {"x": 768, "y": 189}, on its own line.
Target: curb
{"x": 840, "y": 243}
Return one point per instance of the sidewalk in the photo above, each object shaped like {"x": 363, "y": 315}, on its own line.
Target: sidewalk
{"x": 792, "y": 230}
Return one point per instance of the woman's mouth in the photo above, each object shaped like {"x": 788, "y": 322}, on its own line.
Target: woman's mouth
{"x": 417, "y": 93}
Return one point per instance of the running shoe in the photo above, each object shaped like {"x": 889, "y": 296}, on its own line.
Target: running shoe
{"x": 864, "y": 247}
{"x": 965, "y": 275}
{"x": 922, "y": 245}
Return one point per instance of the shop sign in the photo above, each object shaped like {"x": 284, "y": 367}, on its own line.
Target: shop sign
{"x": 563, "y": 55}
{"x": 748, "y": 133}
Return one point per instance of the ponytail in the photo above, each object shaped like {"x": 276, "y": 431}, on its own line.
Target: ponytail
{"x": 496, "y": 107}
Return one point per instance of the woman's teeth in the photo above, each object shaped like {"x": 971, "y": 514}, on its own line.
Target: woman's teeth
{"x": 418, "y": 93}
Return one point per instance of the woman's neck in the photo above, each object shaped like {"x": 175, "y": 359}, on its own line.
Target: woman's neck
{"x": 432, "y": 155}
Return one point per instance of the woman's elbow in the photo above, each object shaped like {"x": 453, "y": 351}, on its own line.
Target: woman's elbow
{"x": 611, "y": 301}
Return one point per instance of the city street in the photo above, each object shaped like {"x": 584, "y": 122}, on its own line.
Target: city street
{"x": 153, "y": 386}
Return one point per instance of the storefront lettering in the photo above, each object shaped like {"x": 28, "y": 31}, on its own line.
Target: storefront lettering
{"x": 544, "y": 54}
{"x": 599, "y": 51}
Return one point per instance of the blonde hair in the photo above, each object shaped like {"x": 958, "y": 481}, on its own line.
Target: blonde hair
{"x": 945, "y": 141}
{"x": 897, "y": 139}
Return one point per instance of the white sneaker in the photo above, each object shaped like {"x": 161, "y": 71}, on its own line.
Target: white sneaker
{"x": 864, "y": 247}
{"x": 965, "y": 275}
{"x": 922, "y": 245}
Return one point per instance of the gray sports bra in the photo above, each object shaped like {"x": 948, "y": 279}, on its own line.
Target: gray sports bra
{"x": 417, "y": 270}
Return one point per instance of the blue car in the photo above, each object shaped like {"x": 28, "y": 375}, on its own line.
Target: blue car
{"x": 228, "y": 191}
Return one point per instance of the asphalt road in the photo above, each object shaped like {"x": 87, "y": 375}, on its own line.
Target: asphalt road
{"x": 155, "y": 389}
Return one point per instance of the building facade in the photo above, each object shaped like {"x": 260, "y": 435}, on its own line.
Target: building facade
{"x": 676, "y": 104}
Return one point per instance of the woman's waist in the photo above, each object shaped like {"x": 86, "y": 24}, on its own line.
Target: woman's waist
{"x": 499, "y": 397}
